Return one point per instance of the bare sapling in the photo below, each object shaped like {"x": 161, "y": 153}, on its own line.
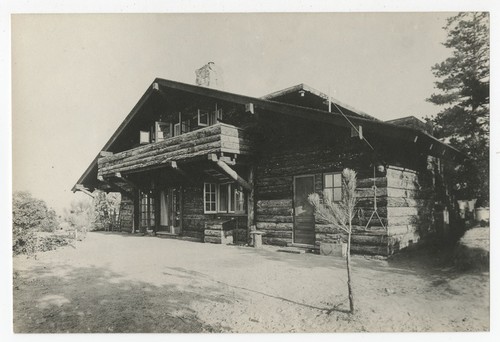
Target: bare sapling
{"x": 340, "y": 215}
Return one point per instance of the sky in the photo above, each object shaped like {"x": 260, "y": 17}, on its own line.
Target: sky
{"x": 75, "y": 77}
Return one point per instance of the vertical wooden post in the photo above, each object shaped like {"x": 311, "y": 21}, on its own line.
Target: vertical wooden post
{"x": 181, "y": 205}
{"x": 251, "y": 202}
{"x": 137, "y": 210}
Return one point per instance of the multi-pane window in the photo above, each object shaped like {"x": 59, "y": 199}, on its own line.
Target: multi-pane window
{"x": 223, "y": 198}
{"x": 210, "y": 198}
{"x": 147, "y": 209}
{"x": 332, "y": 185}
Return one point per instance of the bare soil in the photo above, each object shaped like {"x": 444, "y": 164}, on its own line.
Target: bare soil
{"x": 111, "y": 282}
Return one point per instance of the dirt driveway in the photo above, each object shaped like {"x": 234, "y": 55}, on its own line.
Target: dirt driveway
{"x": 122, "y": 283}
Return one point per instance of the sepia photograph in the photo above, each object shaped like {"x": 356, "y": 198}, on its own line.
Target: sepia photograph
{"x": 249, "y": 172}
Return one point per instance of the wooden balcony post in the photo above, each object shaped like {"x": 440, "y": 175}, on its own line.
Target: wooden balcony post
{"x": 251, "y": 202}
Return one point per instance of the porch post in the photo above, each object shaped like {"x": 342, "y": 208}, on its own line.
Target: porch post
{"x": 251, "y": 202}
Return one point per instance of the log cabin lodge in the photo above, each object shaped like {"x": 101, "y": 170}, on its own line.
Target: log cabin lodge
{"x": 197, "y": 163}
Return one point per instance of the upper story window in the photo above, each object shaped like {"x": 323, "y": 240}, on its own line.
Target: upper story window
{"x": 163, "y": 131}
{"x": 332, "y": 186}
{"x": 172, "y": 125}
{"x": 207, "y": 118}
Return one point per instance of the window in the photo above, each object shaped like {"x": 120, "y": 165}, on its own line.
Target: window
{"x": 143, "y": 137}
{"x": 215, "y": 116}
{"x": 162, "y": 131}
{"x": 223, "y": 198}
{"x": 182, "y": 127}
{"x": 332, "y": 185}
{"x": 203, "y": 118}
{"x": 147, "y": 210}
{"x": 210, "y": 196}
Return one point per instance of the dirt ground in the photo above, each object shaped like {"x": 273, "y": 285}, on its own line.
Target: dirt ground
{"x": 111, "y": 282}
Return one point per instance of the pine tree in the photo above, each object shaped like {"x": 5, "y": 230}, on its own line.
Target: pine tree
{"x": 463, "y": 84}
{"x": 340, "y": 215}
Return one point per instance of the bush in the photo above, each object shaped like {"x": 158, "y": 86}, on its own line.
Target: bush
{"x": 29, "y": 215}
{"x": 24, "y": 241}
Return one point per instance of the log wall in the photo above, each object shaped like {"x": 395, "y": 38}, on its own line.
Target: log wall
{"x": 193, "y": 218}
{"x": 404, "y": 192}
{"x": 126, "y": 216}
{"x": 298, "y": 149}
{"x": 214, "y": 139}
{"x": 410, "y": 207}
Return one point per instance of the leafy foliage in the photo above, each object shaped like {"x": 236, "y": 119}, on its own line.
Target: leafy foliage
{"x": 106, "y": 209}
{"x": 29, "y": 215}
{"x": 463, "y": 84}
{"x": 80, "y": 215}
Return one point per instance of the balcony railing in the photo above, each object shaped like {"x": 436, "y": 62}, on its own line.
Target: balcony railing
{"x": 213, "y": 139}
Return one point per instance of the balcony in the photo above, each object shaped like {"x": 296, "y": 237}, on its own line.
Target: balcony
{"x": 219, "y": 138}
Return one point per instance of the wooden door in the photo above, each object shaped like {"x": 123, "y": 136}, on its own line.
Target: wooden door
{"x": 164, "y": 210}
{"x": 175, "y": 210}
{"x": 303, "y": 213}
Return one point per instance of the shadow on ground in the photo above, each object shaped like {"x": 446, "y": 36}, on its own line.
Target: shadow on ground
{"x": 92, "y": 299}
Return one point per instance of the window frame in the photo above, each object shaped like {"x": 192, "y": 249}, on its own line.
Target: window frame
{"x": 147, "y": 209}
{"x": 205, "y": 113}
{"x": 205, "y": 211}
{"x": 333, "y": 186}
{"x": 144, "y": 137}
{"x": 232, "y": 198}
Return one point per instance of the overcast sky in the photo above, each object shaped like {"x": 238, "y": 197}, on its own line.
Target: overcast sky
{"x": 76, "y": 77}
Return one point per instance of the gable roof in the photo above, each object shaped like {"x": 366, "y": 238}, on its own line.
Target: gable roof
{"x": 303, "y": 90}
{"x": 437, "y": 147}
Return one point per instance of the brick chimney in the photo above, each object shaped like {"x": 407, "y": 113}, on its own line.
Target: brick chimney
{"x": 209, "y": 76}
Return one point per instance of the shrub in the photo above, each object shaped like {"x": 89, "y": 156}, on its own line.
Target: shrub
{"x": 29, "y": 215}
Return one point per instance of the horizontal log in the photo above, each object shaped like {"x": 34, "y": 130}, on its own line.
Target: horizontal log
{"x": 375, "y": 222}
{"x": 380, "y": 182}
{"x": 186, "y": 140}
{"x": 266, "y": 225}
{"x": 403, "y": 220}
{"x": 266, "y": 181}
{"x": 284, "y": 226}
{"x": 402, "y": 229}
{"x": 212, "y": 232}
{"x": 371, "y": 230}
{"x": 404, "y": 211}
{"x": 369, "y": 193}
{"x": 398, "y": 171}
{"x": 328, "y": 238}
{"x": 279, "y": 203}
{"x": 159, "y": 157}
{"x": 278, "y": 234}
{"x": 274, "y": 211}
{"x": 274, "y": 218}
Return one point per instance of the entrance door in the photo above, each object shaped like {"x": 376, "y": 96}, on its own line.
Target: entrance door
{"x": 303, "y": 219}
{"x": 170, "y": 210}
{"x": 175, "y": 210}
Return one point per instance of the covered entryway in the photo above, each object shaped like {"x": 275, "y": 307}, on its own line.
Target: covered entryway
{"x": 303, "y": 212}
{"x": 170, "y": 210}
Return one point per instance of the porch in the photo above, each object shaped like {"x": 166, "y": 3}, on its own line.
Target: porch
{"x": 220, "y": 139}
